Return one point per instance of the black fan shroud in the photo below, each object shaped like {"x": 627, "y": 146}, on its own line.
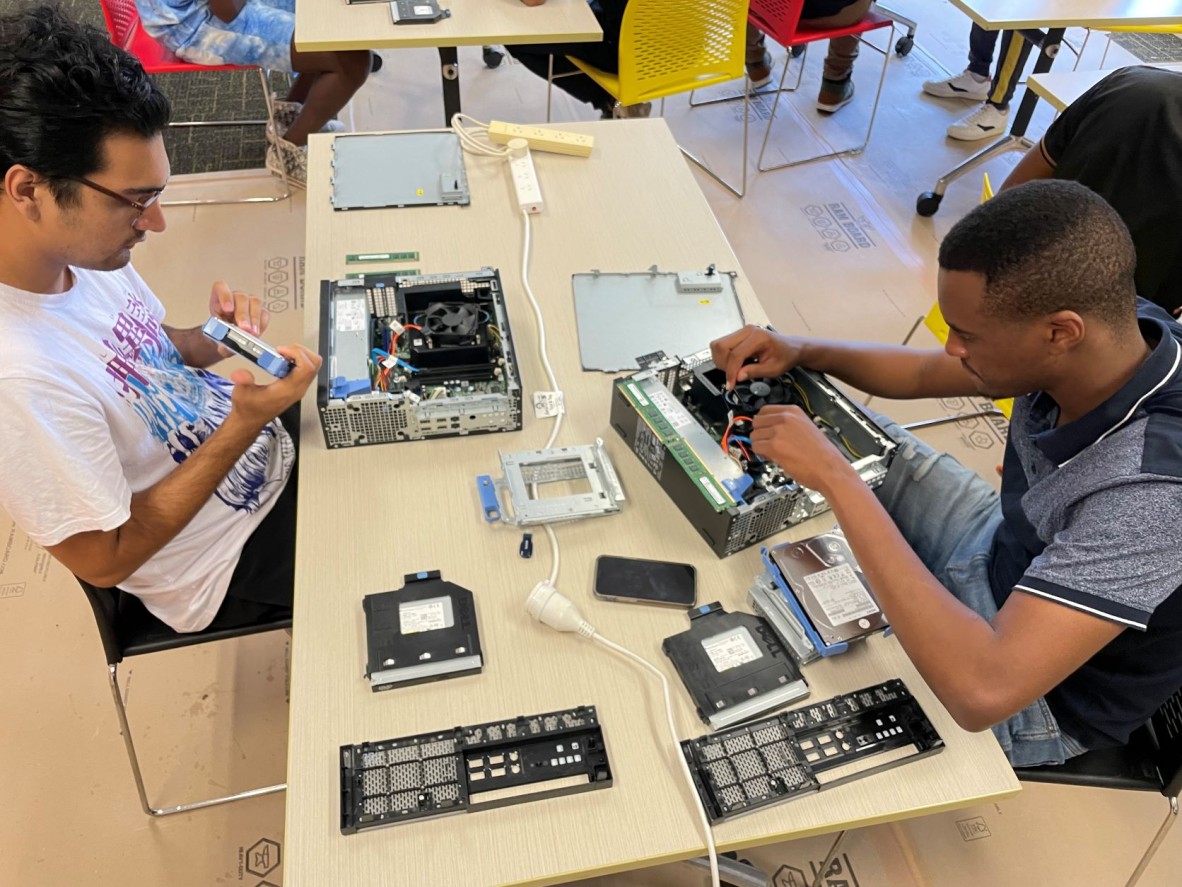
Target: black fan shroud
{"x": 748, "y": 398}
{"x": 452, "y": 323}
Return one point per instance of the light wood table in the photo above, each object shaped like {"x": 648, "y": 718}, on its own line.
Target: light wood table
{"x": 1061, "y": 89}
{"x": 322, "y": 25}
{"x": 367, "y": 516}
{"x": 1042, "y": 22}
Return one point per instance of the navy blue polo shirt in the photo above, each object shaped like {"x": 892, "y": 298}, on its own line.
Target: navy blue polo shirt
{"x": 1092, "y": 519}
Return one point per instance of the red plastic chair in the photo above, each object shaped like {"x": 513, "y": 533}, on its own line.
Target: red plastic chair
{"x": 127, "y": 32}
{"x": 780, "y": 21}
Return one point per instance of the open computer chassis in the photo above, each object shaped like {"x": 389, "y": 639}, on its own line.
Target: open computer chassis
{"x": 674, "y": 413}
{"x": 416, "y": 356}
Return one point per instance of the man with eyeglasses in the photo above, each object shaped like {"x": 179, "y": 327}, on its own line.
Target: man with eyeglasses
{"x": 123, "y": 456}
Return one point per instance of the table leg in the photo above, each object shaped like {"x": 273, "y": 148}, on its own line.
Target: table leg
{"x": 1015, "y": 140}
{"x": 449, "y": 68}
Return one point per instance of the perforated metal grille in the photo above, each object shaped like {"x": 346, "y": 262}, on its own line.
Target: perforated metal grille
{"x": 738, "y": 743}
{"x": 723, "y": 773}
{"x": 731, "y": 795}
{"x": 404, "y": 801}
{"x": 759, "y": 523}
{"x": 439, "y": 770}
{"x": 409, "y": 777}
{"x": 376, "y": 806}
{"x": 749, "y": 764}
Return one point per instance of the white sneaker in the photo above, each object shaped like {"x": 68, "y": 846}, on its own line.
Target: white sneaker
{"x": 287, "y": 112}
{"x": 965, "y": 85}
{"x": 987, "y": 122}
{"x": 288, "y": 161}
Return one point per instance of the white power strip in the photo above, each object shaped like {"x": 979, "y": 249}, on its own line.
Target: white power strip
{"x": 541, "y": 139}
{"x": 525, "y": 179}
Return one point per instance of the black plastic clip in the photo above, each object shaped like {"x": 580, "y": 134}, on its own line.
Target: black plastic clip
{"x": 527, "y": 545}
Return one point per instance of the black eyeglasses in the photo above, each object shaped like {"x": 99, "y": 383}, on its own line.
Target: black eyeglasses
{"x": 139, "y": 206}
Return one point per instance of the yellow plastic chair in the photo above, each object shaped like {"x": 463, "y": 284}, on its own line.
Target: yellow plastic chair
{"x": 673, "y": 46}
{"x": 934, "y": 321}
{"x": 1123, "y": 29}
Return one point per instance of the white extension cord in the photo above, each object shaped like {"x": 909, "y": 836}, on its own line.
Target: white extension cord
{"x": 550, "y": 607}
{"x": 545, "y": 602}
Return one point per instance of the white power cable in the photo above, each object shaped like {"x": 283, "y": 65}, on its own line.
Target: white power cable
{"x": 551, "y": 378}
{"x": 469, "y": 141}
{"x": 550, "y": 607}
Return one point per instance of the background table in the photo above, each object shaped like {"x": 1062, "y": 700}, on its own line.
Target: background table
{"x": 368, "y": 516}
{"x": 1030, "y": 17}
{"x": 1061, "y": 89}
{"x": 333, "y": 24}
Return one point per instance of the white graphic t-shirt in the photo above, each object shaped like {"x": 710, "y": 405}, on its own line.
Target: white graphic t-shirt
{"x": 96, "y": 404}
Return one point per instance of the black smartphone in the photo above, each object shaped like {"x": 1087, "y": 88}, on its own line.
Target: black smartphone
{"x": 639, "y": 581}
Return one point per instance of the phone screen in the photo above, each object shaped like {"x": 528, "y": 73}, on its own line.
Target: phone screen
{"x": 645, "y": 582}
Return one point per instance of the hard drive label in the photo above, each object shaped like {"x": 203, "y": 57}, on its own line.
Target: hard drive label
{"x": 841, "y": 594}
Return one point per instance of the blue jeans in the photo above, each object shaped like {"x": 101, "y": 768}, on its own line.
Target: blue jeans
{"x": 260, "y": 34}
{"x": 949, "y": 516}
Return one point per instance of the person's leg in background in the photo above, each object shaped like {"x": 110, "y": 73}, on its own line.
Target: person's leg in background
{"x": 604, "y": 55}
{"x": 837, "y": 84}
{"x": 971, "y": 84}
{"x": 334, "y": 78}
{"x": 989, "y": 120}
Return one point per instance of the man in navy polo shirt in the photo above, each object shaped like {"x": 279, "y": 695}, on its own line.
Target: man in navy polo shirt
{"x": 1051, "y": 612}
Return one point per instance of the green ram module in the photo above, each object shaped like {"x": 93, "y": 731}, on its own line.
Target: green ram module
{"x": 360, "y": 275}
{"x": 715, "y": 494}
{"x": 359, "y": 258}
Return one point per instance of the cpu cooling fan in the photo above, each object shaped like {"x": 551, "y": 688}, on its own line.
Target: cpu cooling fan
{"x": 748, "y": 398}
{"x": 452, "y": 323}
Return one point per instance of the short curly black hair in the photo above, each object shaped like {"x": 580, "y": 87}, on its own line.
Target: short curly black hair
{"x": 64, "y": 87}
{"x": 1047, "y": 246}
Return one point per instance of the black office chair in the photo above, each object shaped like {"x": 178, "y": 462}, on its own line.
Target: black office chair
{"x": 128, "y": 629}
{"x": 1152, "y": 761}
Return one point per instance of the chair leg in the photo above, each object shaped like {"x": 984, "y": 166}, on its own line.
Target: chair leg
{"x": 730, "y": 871}
{"x": 113, "y": 679}
{"x": 1164, "y": 829}
{"x": 1003, "y": 145}
{"x": 270, "y": 124}
{"x": 762, "y": 91}
{"x": 819, "y": 880}
{"x": 549, "y": 84}
{"x": 842, "y": 152}
{"x": 742, "y": 189}
{"x": 1082, "y": 49}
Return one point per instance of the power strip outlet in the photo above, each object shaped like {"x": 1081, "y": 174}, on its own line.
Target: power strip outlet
{"x": 541, "y": 139}
{"x": 525, "y": 179}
